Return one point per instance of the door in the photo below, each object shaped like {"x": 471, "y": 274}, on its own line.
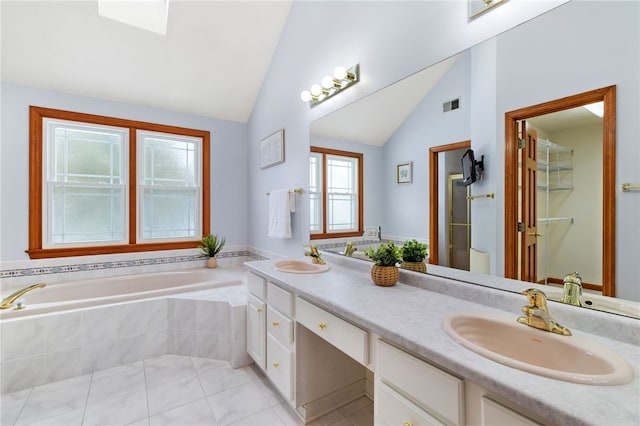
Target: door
{"x": 529, "y": 202}
{"x": 459, "y": 223}
{"x": 256, "y": 330}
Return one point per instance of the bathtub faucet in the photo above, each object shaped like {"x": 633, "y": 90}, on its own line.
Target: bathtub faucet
{"x": 8, "y": 301}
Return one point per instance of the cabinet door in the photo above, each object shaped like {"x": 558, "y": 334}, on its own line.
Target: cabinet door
{"x": 497, "y": 414}
{"x": 280, "y": 366}
{"x": 256, "y": 330}
{"x": 392, "y": 409}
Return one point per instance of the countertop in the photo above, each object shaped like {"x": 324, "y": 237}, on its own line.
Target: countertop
{"x": 411, "y": 317}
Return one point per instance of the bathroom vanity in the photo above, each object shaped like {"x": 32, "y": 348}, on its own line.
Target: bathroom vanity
{"x": 329, "y": 338}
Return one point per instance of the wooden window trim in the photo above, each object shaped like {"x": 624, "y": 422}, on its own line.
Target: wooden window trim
{"x": 358, "y": 233}
{"x": 36, "y": 251}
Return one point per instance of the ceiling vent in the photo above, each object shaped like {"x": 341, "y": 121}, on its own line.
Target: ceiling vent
{"x": 451, "y": 105}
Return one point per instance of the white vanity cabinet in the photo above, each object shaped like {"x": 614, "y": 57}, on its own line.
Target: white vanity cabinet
{"x": 270, "y": 332}
{"x": 280, "y": 339}
{"x": 411, "y": 391}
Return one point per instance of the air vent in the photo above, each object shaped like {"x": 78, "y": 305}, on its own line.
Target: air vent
{"x": 451, "y": 105}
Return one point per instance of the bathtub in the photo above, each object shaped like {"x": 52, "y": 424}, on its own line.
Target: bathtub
{"x": 105, "y": 291}
{"x": 79, "y": 327}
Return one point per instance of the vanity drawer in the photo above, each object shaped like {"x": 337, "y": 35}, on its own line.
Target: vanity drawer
{"x": 494, "y": 413}
{"x": 257, "y": 285}
{"x": 435, "y": 389}
{"x": 350, "y": 339}
{"x": 279, "y": 325}
{"x": 392, "y": 409}
{"x": 280, "y": 366}
{"x": 280, "y": 299}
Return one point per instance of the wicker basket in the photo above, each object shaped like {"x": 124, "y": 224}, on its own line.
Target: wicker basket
{"x": 385, "y": 276}
{"x": 414, "y": 266}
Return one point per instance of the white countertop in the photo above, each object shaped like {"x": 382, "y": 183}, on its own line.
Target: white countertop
{"x": 412, "y": 317}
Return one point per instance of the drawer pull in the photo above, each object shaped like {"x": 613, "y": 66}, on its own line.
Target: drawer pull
{"x": 407, "y": 424}
{"x": 276, "y": 364}
{"x": 259, "y": 310}
{"x": 275, "y": 323}
{"x": 322, "y": 326}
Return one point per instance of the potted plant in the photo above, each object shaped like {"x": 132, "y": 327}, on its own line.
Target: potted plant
{"x": 413, "y": 254}
{"x": 211, "y": 245}
{"x": 385, "y": 272}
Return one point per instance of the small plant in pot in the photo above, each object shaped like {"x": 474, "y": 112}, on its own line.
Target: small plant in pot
{"x": 385, "y": 272}
{"x": 211, "y": 245}
{"x": 413, "y": 254}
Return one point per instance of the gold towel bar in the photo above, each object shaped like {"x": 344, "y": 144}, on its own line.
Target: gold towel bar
{"x": 626, "y": 187}
{"x": 298, "y": 191}
{"x": 489, "y": 195}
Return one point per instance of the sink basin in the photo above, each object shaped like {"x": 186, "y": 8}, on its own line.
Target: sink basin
{"x": 568, "y": 358}
{"x": 299, "y": 267}
{"x": 600, "y": 303}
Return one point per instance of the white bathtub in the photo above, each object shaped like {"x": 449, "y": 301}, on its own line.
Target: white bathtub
{"x": 104, "y": 291}
{"x": 79, "y": 327}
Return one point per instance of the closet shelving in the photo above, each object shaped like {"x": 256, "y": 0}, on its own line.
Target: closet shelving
{"x": 555, "y": 173}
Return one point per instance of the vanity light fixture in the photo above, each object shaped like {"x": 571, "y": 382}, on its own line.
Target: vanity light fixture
{"x": 342, "y": 79}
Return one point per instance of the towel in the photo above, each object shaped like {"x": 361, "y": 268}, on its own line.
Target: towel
{"x": 280, "y": 214}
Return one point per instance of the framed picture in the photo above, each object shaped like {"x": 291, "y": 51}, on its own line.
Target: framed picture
{"x": 272, "y": 149}
{"x": 404, "y": 172}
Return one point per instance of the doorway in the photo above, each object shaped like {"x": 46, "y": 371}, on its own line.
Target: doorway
{"x": 435, "y": 153}
{"x": 515, "y": 234}
{"x": 459, "y": 219}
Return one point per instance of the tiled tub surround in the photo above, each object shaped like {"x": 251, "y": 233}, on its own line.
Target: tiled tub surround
{"x": 49, "y": 347}
{"x": 411, "y": 316}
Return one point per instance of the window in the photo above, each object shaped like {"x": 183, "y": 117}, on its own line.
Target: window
{"x": 102, "y": 185}
{"x": 335, "y": 193}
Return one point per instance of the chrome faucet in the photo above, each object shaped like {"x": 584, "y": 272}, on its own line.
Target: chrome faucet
{"x": 8, "y": 301}
{"x": 572, "y": 289}
{"x": 536, "y": 313}
{"x": 314, "y": 254}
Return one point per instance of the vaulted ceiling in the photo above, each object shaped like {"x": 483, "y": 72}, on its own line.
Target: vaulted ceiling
{"x": 211, "y": 62}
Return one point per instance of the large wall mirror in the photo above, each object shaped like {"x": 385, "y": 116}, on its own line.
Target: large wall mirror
{"x": 415, "y": 120}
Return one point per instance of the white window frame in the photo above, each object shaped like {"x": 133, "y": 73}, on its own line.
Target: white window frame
{"x": 49, "y": 184}
{"x": 196, "y": 187}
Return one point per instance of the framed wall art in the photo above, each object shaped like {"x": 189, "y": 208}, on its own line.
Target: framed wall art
{"x": 272, "y": 150}
{"x": 404, "y": 172}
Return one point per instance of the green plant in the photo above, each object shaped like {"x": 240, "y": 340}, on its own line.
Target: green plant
{"x": 387, "y": 254}
{"x": 413, "y": 251}
{"x": 211, "y": 244}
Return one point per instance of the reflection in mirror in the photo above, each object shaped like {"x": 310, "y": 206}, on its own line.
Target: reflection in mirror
{"x": 394, "y": 126}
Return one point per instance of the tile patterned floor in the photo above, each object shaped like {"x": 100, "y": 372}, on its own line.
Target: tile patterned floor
{"x": 167, "y": 390}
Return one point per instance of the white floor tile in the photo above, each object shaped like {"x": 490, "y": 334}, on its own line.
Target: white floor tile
{"x": 193, "y": 414}
{"x": 166, "y": 368}
{"x": 269, "y": 391}
{"x": 287, "y": 415}
{"x": 329, "y": 419}
{"x": 54, "y": 399}
{"x": 72, "y": 418}
{"x": 205, "y": 363}
{"x": 121, "y": 409}
{"x": 355, "y": 406}
{"x": 109, "y": 386}
{"x": 118, "y": 370}
{"x": 169, "y": 395}
{"x": 237, "y": 403}
{"x": 268, "y": 417}
{"x": 216, "y": 380}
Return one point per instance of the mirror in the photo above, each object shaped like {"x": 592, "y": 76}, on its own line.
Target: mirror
{"x": 405, "y": 120}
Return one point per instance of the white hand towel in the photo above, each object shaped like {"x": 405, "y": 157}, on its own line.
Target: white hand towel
{"x": 279, "y": 214}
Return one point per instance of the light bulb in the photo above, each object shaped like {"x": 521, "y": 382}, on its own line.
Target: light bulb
{"x": 305, "y": 96}
{"x": 327, "y": 82}
{"x": 340, "y": 73}
{"x": 316, "y": 89}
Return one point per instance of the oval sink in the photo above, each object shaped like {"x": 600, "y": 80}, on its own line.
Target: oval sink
{"x": 299, "y": 267}
{"x": 568, "y": 358}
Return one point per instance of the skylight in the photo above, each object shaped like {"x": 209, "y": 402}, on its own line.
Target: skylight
{"x": 150, "y": 15}
{"x": 596, "y": 108}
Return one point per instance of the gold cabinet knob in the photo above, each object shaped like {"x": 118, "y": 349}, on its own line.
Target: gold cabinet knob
{"x": 322, "y": 326}
{"x": 407, "y": 424}
{"x": 259, "y": 310}
{"x": 276, "y": 364}
{"x": 275, "y": 323}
